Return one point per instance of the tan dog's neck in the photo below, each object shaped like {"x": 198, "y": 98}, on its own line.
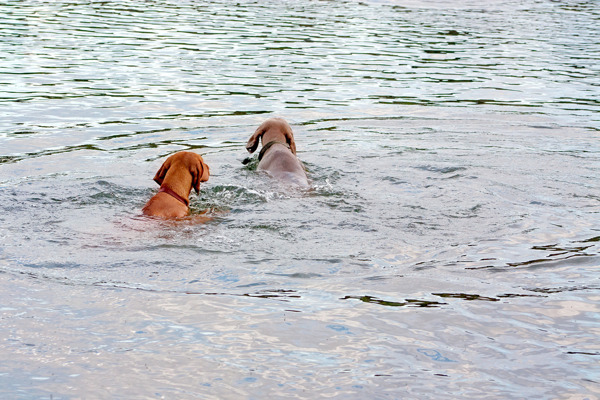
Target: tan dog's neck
{"x": 273, "y": 135}
{"x": 276, "y": 131}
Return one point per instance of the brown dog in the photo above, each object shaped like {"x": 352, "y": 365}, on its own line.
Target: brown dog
{"x": 176, "y": 177}
{"x": 278, "y": 153}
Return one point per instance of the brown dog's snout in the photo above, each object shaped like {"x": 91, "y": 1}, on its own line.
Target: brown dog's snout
{"x": 200, "y": 173}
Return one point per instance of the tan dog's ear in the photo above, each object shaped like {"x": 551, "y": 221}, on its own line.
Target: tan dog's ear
{"x": 200, "y": 173}
{"x": 162, "y": 171}
{"x": 252, "y": 144}
{"x": 289, "y": 138}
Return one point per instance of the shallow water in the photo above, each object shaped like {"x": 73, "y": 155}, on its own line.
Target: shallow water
{"x": 448, "y": 247}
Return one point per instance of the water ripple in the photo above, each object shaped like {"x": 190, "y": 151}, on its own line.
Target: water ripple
{"x": 452, "y": 220}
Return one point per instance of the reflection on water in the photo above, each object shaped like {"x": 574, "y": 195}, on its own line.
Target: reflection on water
{"x": 407, "y": 302}
{"x": 448, "y": 245}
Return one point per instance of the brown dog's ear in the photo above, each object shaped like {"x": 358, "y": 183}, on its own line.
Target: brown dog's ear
{"x": 200, "y": 173}
{"x": 252, "y": 144}
{"x": 162, "y": 171}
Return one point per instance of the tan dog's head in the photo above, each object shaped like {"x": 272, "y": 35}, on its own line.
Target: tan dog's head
{"x": 187, "y": 160}
{"x": 272, "y": 129}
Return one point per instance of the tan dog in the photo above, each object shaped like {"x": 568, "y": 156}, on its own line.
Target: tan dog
{"x": 278, "y": 153}
{"x": 176, "y": 177}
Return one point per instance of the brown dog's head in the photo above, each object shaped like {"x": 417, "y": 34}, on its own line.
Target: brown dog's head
{"x": 272, "y": 129}
{"x": 187, "y": 160}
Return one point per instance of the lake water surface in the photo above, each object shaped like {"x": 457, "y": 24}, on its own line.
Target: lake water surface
{"x": 448, "y": 248}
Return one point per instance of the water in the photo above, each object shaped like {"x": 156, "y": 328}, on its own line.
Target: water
{"x": 448, "y": 247}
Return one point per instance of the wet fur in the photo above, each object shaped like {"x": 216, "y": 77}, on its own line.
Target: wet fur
{"x": 180, "y": 173}
{"x": 279, "y": 160}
